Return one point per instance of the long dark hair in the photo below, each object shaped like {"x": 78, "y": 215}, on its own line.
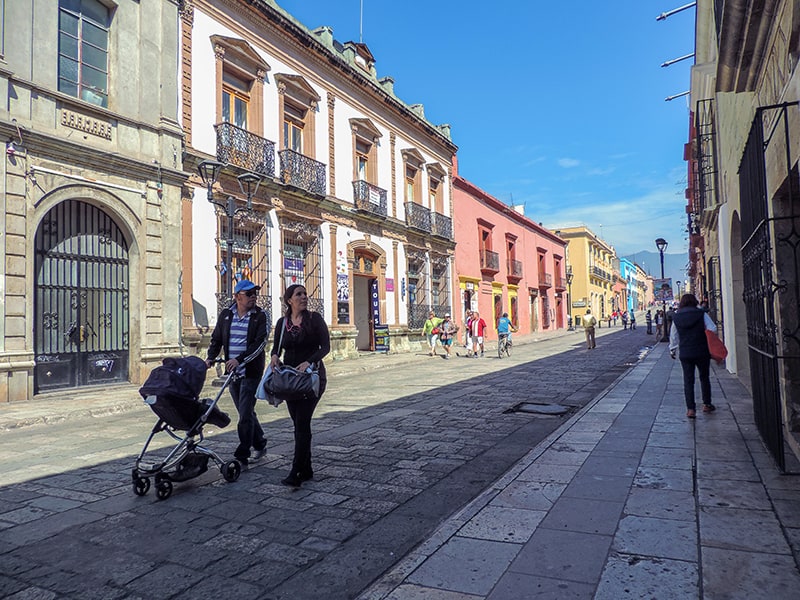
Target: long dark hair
{"x": 305, "y": 326}
{"x": 688, "y": 300}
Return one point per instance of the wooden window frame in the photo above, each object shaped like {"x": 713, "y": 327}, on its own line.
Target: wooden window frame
{"x": 295, "y": 93}
{"x": 412, "y": 159}
{"x": 237, "y": 59}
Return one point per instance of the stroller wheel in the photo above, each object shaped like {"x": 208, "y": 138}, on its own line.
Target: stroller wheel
{"x": 231, "y": 470}
{"x": 163, "y": 489}
{"x": 141, "y": 485}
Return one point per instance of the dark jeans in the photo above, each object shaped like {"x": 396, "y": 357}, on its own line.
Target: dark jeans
{"x": 702, "y": 365}
{"x": 251, "y": 435}
{"x": 301, "y": 412}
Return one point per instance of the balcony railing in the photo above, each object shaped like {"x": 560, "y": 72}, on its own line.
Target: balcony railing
{"x": 561, "y": 283}
{"x": 514, "y": 268}
{"x": 442, "y": 226}
{"x": 418, "y": 217}
{"x": 601, "y": 274}
{"x": 302, "y": 172}
{"x": 369, "y": 198}
{"x": 249, "y": 151}
{"x": 545, "y": 280}
{"x": 490, "y": 261}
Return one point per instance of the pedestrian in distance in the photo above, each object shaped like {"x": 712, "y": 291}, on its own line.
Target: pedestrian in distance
{"x": 240, "y": 330}
{"x": 431, "y": 332}
{"x": 648, "y": 319}
{"x": 633, "y": 320}
{"x": 625, "y": 320}
{"x": 448, "y": 333}
{"x": 688, "y": 338}
{"x": 659, "y": 325}
{"x": 478, "y": 329}
{"x": 303, "y": 337}
{"x": 589, "y": 323}
{"x": 467, "y": 332}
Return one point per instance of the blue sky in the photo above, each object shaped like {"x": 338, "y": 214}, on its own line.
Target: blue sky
{"x": 558, "y": 106}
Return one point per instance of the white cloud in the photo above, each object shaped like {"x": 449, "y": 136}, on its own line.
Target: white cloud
{"x": 568, "y": 163}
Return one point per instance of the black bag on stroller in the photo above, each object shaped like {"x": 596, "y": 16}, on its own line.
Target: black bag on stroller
{"x": 172, "y": 392}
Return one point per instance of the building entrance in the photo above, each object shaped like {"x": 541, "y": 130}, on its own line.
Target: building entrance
{"x": 81, "y": 299}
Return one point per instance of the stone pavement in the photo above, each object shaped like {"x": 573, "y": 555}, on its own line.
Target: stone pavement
{"x": 402, "y": 444}
{"x": 629, "y": 499}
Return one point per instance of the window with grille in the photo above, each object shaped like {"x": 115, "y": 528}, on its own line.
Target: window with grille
{"x": 83, "y": 50}
{"x": 302, "y": 261}
{"x": 245, "y": 259}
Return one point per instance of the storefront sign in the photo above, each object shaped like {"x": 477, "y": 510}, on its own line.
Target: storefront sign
{"x": 381, "y": 338}
{"x": 389, "y": 285}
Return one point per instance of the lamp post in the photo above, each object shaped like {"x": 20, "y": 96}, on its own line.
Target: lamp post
{"x": 210, "y": 171}
{"x": 569, "y": 293}
{"x": 662, "y": 244}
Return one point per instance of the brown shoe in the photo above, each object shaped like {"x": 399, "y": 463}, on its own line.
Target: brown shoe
{"x": 691, "y": 413}
{"x": 707, "y": 408}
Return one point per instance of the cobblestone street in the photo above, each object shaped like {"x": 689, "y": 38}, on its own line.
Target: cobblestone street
{"x": 397, "y": 449}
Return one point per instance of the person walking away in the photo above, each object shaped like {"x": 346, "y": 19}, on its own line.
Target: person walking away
{"x": 431, "y": 331}
{"x": 688, "y": 338}
{"x": 659, "y": 325}
{"x": 504, "y": 328}
{"x": 589, "y": 323}
{"x": 240, "y": 330}
{"x": 625, "y": 320}
{"x": 448, "y": 333}
{"x": 306, "y": 342}
{"x": 477, "y": 332}
{"x": 633, "y": 320}
{"x": 648, "y": 319}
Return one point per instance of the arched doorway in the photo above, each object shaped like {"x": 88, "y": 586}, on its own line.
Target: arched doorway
{"x": 81, "y": 299}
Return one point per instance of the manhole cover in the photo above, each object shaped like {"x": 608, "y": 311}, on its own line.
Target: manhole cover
{"x": 540, "y": 409}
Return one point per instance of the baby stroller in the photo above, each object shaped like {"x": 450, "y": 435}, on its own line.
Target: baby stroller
{"x": 172, "y": 392}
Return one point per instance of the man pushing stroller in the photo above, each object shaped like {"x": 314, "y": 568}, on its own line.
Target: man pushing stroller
{"x": 240, "y": 330}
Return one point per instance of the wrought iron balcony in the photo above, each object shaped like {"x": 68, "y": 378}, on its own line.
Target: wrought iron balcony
{"x": 249, "y": 151}
{"x": 442, "y": 226}
{"x": 302, "y": 172}
{"x": 514, "y": 268}
{"x": 561, "y": 283}
{"x": 418, "y": 217}
{"x": 369, "y": 198}
{"x": 490, "y": 261}
{"x": 545, "y": 280}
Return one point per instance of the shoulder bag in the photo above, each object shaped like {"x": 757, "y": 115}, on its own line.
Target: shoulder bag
{"x": 716, "y": 347}
{"x": 287, "y": 383}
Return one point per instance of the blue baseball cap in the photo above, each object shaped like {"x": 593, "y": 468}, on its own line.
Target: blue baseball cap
{"x": 245, "y": 285}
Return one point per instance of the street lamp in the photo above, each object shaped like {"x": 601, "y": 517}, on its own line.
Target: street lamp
{"x": 210, "y": 171}
{"x": 662, "y": 244}
{"x": 569, "y": 294}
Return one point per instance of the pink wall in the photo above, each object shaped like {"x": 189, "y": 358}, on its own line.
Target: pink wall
{"x": 476, "y": 211}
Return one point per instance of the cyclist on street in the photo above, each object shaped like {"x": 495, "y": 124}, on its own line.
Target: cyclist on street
{"x": 504, "y": 328}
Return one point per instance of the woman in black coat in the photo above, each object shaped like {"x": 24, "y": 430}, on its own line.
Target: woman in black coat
{"x": 688, "y": 338}
{"x": 304, "y": 339}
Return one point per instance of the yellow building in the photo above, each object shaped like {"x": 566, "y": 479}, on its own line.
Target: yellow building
{"x": 592, "y": 262}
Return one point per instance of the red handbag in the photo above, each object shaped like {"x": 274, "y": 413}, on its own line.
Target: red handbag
{"x": 716, "y": 347}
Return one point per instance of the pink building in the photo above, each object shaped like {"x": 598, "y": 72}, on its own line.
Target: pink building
{"x": 505, "y": 262}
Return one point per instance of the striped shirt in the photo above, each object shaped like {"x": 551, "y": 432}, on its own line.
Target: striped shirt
{"x": 237, "y": 342}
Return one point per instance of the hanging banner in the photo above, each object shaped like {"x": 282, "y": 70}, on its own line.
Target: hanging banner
{"x": 662, "y": 290}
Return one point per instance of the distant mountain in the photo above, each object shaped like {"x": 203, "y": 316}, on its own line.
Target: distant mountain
{"x": 675, "y": 265}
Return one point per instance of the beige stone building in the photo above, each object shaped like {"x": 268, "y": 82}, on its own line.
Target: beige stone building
{"x": 744, "y": 199}
{"x": 90, "y": 193}
{"x": 592, "y": 261}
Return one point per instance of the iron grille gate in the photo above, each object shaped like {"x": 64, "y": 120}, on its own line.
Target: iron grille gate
{"x": 770, "y": 269}
{"x": 81, "y": 326}
{"x": 302, "y": 261}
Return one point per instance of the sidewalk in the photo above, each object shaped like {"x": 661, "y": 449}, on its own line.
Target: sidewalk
{"x": 629, "y": 499}
{"x": 65, "y": 405}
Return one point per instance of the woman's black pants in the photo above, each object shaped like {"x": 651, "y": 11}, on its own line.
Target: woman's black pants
{"x": 702, "y": 365}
